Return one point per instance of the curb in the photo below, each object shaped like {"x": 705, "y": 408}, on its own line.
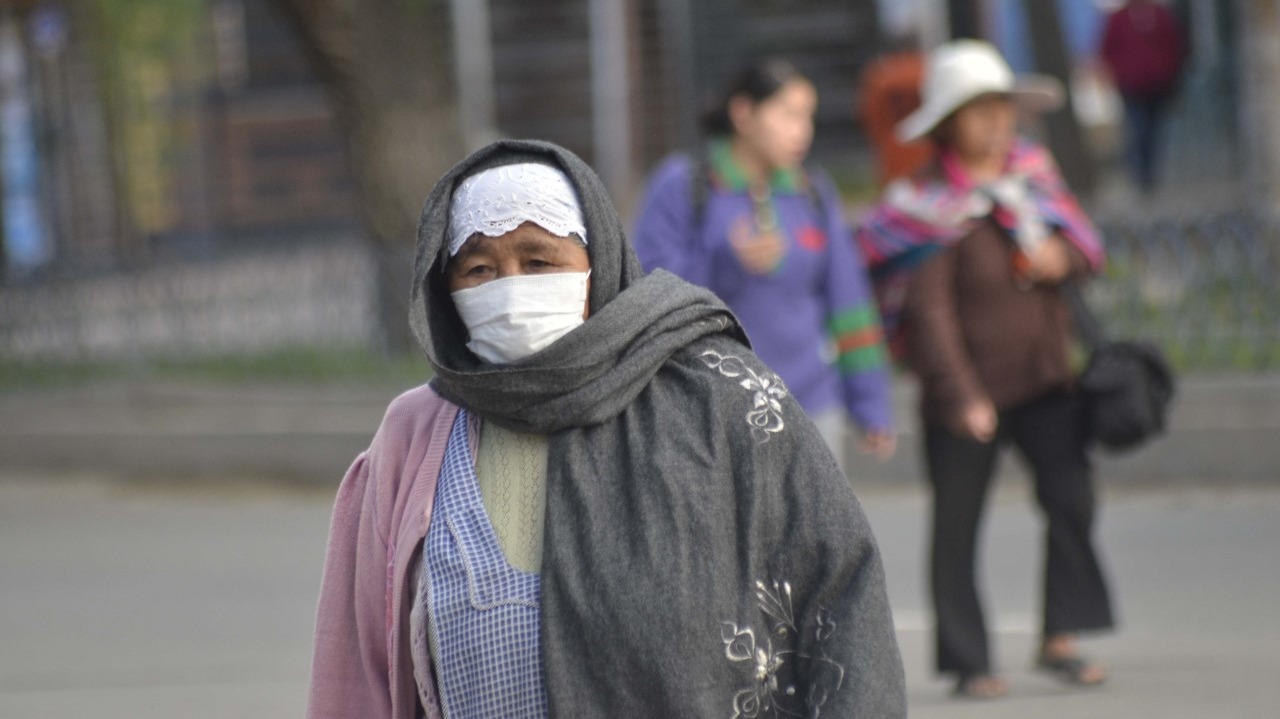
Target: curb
{"x": 1222, "y": 430}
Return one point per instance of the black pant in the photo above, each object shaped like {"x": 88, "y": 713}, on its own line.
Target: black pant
{"x": 1047, "y": 432}
{"x": 1144, "y": 124}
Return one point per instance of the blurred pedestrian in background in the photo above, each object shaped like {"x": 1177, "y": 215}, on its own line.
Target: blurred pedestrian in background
{"x": 748, "y": 220}
{"x": 969, "y": 257}
{"x": 1144, "y": 49}
{"x": 888, "y": 91}
{"x": 603, "y": 504}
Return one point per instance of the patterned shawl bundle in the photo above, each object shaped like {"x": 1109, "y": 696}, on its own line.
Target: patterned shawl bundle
{"x": 922, "y": 215}
{"x": 704, "y": 555}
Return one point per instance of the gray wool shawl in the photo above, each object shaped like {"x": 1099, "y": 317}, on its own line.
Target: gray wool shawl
{"x": 704, "y": 555}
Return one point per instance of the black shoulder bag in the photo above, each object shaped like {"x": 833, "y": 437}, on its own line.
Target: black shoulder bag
{"x": 1126, "y": 386}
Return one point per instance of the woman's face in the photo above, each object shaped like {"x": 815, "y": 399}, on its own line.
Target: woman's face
{"x": 779, "y": 129}
{"x": 526, "y": 250}
{"x": 983, "y": 129}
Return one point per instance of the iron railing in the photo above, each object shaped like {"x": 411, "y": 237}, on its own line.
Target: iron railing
{"x": 1204, "y": 289}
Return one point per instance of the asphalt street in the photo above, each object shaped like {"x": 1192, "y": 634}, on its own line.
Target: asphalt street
{"x": 196, "y": 600}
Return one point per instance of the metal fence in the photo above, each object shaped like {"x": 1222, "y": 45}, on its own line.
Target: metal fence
{"x": 257, "y": 302}
{"x": 1204, "y": 289}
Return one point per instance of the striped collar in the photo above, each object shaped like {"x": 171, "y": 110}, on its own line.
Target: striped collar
{"x": 727, "y": 174}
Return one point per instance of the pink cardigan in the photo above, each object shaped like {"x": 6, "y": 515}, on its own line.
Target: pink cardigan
{"x": 362, "y": 666}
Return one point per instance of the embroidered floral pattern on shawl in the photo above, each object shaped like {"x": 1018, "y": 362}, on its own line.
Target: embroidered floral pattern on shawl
{"x": 772, "y": 660}
{"x": 765, "y": 415}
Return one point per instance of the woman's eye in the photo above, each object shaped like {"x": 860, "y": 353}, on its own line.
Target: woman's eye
{"x": 538, "y": 264}
{"x": 477, "y": 271}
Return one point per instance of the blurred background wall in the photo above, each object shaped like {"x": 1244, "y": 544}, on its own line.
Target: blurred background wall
{"x": 193, "y": 179}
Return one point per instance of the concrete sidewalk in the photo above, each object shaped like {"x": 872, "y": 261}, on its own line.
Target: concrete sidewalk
{"x": 1222, "y": 430}
{"x": 197, "y": 600}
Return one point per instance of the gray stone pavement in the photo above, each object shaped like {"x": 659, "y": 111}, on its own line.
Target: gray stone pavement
{"x": 1196, "y": 578}
{"x": 145, "y": 599}
{"x": 141, "y": 601}
{"x": 1222, "y": 429}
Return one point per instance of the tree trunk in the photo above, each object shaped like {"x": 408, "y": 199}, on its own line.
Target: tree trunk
{"x": 388, "y": 68}
{"x": 1065, "y": 137}
{"x": 1258, "y": 29}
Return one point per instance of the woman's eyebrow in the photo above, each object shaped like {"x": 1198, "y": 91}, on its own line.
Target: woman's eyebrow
{"x": 538, "y": 244}
{"x": 477, "y": 243}
{"x": 464, "y": 252}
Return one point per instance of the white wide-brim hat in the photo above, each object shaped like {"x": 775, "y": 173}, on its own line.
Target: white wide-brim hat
{"x": 962, "y": 70}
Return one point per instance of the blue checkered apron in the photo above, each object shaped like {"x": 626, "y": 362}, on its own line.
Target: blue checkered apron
{"x": 483, "y": 611}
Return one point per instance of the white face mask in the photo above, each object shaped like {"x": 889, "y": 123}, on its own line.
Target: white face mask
{"x": 514, "y": 317}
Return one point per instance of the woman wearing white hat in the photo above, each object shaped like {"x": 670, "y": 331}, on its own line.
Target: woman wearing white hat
{"x": 968, "y": 258}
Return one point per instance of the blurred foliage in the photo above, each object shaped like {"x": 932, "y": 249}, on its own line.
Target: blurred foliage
{"x": 154, "y": 59}
{"x": 857, "y": 186}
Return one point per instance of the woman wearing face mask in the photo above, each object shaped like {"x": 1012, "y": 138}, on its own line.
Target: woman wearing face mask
{"x": 749, "y": 222}
{"x": 603, "y": 503}
{"x": 969, "y": 258}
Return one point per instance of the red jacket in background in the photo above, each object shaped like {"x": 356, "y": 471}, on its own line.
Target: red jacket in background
{"x": 1143, "y": 46}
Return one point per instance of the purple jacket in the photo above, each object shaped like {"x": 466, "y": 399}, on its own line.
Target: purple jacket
{"x": 812, "y": 319}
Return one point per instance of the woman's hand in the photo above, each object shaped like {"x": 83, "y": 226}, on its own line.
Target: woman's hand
{"x": 979, "y": 421}
{"x": 761, "y": 252}
{"x": 1049, "y": 264}
{"x": 880, "y": 444}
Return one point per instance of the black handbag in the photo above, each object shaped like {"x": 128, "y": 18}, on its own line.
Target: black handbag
{"x": 1126, "y": 386}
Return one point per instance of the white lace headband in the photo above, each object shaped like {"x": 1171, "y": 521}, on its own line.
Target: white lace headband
{"x": 500, "y": 199}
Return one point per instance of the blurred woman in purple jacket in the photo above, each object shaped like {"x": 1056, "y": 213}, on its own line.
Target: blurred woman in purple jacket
{"x": 750, "y": 222}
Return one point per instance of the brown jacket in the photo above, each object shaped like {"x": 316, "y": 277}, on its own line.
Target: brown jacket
{"x": 973, "y": 333}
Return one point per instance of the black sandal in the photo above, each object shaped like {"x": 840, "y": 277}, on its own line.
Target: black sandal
{"x": 1069, "y": 669}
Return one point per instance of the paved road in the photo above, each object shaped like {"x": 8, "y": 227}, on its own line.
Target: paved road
{"x": 1197, "y": 582}
{"x": 149, "y": 601}
{"x": 140, "y": 603}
